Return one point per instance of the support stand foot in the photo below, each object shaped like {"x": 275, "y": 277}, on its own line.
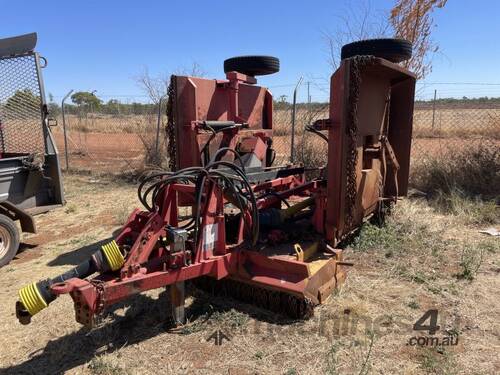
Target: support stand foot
{"x": 177, "y": 298}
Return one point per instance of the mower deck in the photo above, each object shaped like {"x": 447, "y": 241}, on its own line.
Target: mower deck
{"x": 227, "y": 219}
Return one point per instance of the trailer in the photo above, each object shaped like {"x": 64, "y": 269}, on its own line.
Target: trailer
{"x": 30, "y": 174}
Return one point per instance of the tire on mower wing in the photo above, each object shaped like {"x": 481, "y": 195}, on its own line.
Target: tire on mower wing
{"x": 393, "y": 50}
{"x": 252, "y": 65}
{"x": 9, "y": 240}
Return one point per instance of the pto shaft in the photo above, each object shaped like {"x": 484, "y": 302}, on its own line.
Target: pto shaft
{"x": 36, "y": 296}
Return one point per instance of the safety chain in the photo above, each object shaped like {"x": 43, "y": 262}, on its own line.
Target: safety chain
{"x": 351, "y": 129}
{"x": 99, "y": 286}
{"x": 170, "y": 130}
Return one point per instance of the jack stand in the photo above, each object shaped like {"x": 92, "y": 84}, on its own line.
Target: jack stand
{"x": 177, "y": 297}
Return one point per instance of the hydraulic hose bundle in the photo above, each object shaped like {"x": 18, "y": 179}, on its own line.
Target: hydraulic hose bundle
{"x": 231, "y": 178}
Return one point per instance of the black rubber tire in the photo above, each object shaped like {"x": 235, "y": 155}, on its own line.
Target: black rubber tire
{"x": 8, "y": 228}
{"x": 394, "y": 50}
{"x": 252, "y": 65}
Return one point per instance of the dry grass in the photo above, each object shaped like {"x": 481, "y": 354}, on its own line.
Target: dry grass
{"x": 101, "y": 123}
{"x": 462, "y": 123}
{"x": 473, "y": 211}
{"x": 473, "y": 172}
{"x": 127, "y": 142}
{"x": 144, "y": 127}
{"x": 103, "y": 366}
{"x": 457, "y": 123}
{"x": 155, "y": 155}
{"x": 464, "y": 184}
{"x": 312, "y": 151}
{"x": 401, "y": 270}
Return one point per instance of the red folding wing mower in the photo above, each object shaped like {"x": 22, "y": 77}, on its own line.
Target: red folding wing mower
{"x": 227, "y": 219}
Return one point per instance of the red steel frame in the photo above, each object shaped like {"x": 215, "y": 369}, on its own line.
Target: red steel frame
{"x": 150, "y": 265}
{"x": 235, "y": 99}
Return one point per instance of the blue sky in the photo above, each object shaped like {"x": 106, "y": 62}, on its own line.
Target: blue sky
{"x": 103, "y": 45}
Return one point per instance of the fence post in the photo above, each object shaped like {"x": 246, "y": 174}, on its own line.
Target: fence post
{"x": 64, "y": 129}
{"x": 434, "y": 109}
{"x": 308, "y": 103}
{"x": 292, "y": 150}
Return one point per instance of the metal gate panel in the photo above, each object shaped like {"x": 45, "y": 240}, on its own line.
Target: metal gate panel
{"x": 21, "y": 130}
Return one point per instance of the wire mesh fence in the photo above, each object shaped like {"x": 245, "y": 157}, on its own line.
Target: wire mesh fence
{"x": 114, "y": 137}
{"x": 118, "y": 137}
{"x": 446, "y": 126}
{"x": 440, "y": 127}
{"x": 308, "y": 148}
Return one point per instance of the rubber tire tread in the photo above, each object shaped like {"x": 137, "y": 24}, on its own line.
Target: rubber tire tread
{"x": 11, "y": 227}
{"x": 252, "y": 65}
{"x": 393, "y": 50}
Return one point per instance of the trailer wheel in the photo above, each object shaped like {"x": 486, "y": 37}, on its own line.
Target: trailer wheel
{"x": 9, "y": 240}
{"x": 394, "y": 50}
{"x": 252, "y": 65}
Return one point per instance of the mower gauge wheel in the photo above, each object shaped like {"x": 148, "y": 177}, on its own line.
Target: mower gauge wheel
{"x": 9, "y": 240}
{"x": 393, "y": 50}
{"x": 252, "y": 65}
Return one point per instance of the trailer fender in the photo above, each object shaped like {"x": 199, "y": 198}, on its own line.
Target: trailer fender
{"x": 15, "y": 213}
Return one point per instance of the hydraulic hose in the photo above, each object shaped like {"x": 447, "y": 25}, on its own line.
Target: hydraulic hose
{"x": 230, "y": 177}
